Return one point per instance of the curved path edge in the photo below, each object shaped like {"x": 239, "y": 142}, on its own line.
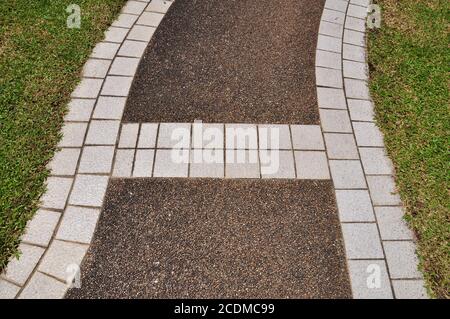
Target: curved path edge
{"x": 380, "y": 247}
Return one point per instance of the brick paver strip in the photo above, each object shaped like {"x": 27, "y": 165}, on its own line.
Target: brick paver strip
{"x": 369, "y": 208}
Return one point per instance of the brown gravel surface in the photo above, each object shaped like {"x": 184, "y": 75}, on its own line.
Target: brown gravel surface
{"x": 230, "y": 61}
{"x": 215, "y": 238}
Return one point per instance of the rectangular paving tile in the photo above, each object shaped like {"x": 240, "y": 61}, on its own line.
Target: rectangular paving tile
{"x": 171, "y": 163}
{"x": 102, "y": 132}
{"x": 362, "y": 241}
{"x": 336, "y": 121}
{"x": 410, "y": 289}
{"x": 87, "y": 88}
{"x": 65, "y": 161}
{"x": 128, "y": 135}
{"x": 402, "y": 260}
{"x": 330, "y": 98}
{"x": 261, "y": 248}
{"x": 273, "y": 136}
{"x": 88, "y": 190}
{"x": 123, "y": 163}
{"x": 147, "y": 135}
{"x": 18, "y": 270}
{"x": 96, "y": 159}
{"x": 242, "y": 164}
{"x": 80, "y": 110}
{"x": 109, "y": 108}
{"x": 383, "y": 190}
{"x": 311, "y": 165}
{"x": 78, "y": 224}
{"x": 40, "y": 228}
{"x": 73, "y": 134}
{"x": 207, "y": 163}
{"x": 347, "y": 174}
{"x": 354, "y": 206}
{"x": 132, "y": 48}
{"x": 105, "y": 50}
{"x": 277, "y": 164}
{"x": 58, "y": 189}
{"x": 369, "y": 279}
{"x": 143, "y": 163}
{"x": 361, "y": 110}
{"x": 8, "y": 290}
{"x": 375, "y": 161}
{"x": 341, "y": 146}
{"x": 307, "y": 137}
{"x": 391, "y": 223}
{"x": 42, "y": 286}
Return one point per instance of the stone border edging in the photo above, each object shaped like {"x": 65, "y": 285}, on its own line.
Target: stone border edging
{"x": 377, "y": 240}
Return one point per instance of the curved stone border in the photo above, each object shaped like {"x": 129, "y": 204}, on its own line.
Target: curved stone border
{"x": 376, "y": 238}
{"x": 59, "y": 235}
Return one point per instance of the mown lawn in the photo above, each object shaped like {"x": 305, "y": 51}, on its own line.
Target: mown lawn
{"x": 40, "y": 64}
{"x": 409, "y": 60}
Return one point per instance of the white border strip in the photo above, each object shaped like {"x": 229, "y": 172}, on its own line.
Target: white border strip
{"x": 380, "y": 248}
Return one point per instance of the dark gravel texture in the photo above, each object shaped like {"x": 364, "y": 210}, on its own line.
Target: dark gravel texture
{"x": 215, "y": 238}
{"x": 235, "y": 61}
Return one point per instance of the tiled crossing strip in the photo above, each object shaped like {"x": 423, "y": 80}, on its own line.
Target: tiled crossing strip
{"x": 61, "y": 231}
{"x": 376, "y": 238}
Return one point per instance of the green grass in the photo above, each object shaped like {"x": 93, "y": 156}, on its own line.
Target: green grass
{"x": 40, "y": 64}
{"x": 409, "y": 62}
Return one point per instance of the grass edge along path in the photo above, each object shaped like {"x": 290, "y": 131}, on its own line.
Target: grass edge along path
{"x": 408, "y": 59}
{"x": 40, "y": 65}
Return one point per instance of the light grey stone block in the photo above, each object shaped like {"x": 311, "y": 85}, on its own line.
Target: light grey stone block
{"x": 207, "y": 135}
{"x": 160, "y": 6}
{"x": 102, "y": 132}
{"x": 375, "y": 161}
{"x": 357, "y": 12}
{"x": 369, "y": 279}
{"x": 338, "y": 5}
{"x": 410, "y": 289}
{"x": 333, "y": 16}
{"x": 356, "y": 89}
{"x": 60, "y": 256}
{"x": 134, "y": 7}
{"x": 117, "y": 85}
{"x": 355, "y": 24}
{"x": 402, "y": 260}
{"x": 341, "y": 146}
{"x": 143, "y": 163}
{"x": 132, "y": 49}
{"x": 41, "y": 227}
{"x": 361, "y": 110}
{"x": 274, "y": 136}
{"x": 241, "y": 136}
{"x": 383, "y": 190}
{"x": 87, "y": 88}
{"x": 124, "y": 66}
{"x": 147, "y": 135}
{"x": 276, "y": 164}
{"x": 105, "y": 50}
{"x": 328, "y": 59}
{"x": 58, "y": 189}
{"x": 174, "y": 135}
{"x": 109, "y": 108}
{"x": 331, "y": 29}
{"x": 78, "y": 224}
{"x": 96, "y": 159}
{"x": 80, "y": 110}
{"x": 141, "y": 33}
{"x": 129, "y": 135}
{"x": 353, "y": 52}
{"x": 64, "y": 161}
{"x": 125, "y": 20}
{"x": 355, "y": 70}
{"x": 354, "y": 37}
{"x": 43, "y": 287}
{"x": 329, "y": 43}
{"x": 335, "y": 121}
{"x": 8, "y": 290}
{"x": 242, "y": 164}
{"x": 123, "y": 163}
{"x": 311, "y": 165}
{"x": 207, "y": 163}
{"x": 328, "y": 77}
{"x": 151, "y": 19}
{"x": 18, "y": 270}
{"x": 362, "y": 241}
{"x": 368, "y": 134}
{"x": 307, "y": 137}
{"x": 73, "y": 134}
{"x": 114, "y": 34}
{"x": 96, "y": 68}
{"x": 354, "y": 206}
{"x": 330, "y": 98}
{"x": 171, "y": 163}
{"x": 391, "y": 224}
{"x": 362, "y": 3}
{"x": 347, "y": 174}
{"x": 89, "y": 190}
